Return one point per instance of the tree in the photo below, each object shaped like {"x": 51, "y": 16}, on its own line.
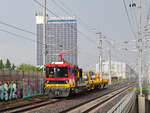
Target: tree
{"x": 39, "y": 69}
{"x": 91, "y": 73}
{"x": 8, "y": 65}
{"x": 13, "y": 67}
{"x": 1, "y": 64}
{"x": 28, "y": 67}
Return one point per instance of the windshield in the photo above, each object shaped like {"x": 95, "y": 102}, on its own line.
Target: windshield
{"x": 57, "y": 72}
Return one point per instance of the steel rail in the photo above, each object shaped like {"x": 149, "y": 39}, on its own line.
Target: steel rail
{"x": 30, "y": 106}
{"x": 35, "y": 105}
{"x": 92, "y": 104}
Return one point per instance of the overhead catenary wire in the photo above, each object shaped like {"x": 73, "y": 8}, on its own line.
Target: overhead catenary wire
{"x": 29, "y": 39}
{"x": 130, "y": 24}
{"x": 23, "y": 37}
{"x": 63, "y": 4}
{"x": 135, "y": 16}
{"x": 62, "y": 8}
{"x": 147, "y": 4}
{"x": 85, "y": 36}
{"x": 18, "y": 28}
{"x": 133, "y": 13}
{"x": 20, "y": 36}
{"x": 70, "y": 15}
{"x": 65, "y": 9}
{"x": 32, "y": 33}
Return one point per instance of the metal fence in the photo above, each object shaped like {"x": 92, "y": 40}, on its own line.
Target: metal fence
{"x": 125, "y": 104}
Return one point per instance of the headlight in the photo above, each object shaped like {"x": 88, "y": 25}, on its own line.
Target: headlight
{"x": 67, "y": 82}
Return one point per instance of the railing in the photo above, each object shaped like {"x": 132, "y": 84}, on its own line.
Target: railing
{"x": 126, "y": 103}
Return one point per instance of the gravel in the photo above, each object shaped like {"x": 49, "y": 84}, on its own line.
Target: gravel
{"x": 107, "y": 107}
{"x": 73, "y": 101}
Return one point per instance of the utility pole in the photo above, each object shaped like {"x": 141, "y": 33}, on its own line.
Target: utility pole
{"x": 141, "y": 97}
{"x": 110, "y": 64}
{"x": 100, "y": 52}
{"x": 109, "y": 53}
{"x": 44, "y": 34}
{"x": 140, "y": 44}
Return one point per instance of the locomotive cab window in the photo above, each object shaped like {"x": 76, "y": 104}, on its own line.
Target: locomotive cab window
{"x": 56, "y": 72}
{"x": 61, "y": 72}
{"x": 50, "y": 72}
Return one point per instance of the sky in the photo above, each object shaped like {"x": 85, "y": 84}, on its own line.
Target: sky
{"x": 106, "y": 16}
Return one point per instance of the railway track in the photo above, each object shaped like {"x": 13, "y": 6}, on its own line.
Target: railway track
{"x": 34, "y": 106}
{"x": 95, "y": 104}
{"x": 31, "y": 106}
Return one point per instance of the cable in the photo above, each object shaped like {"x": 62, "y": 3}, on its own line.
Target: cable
{"x": 61, "y": 7}
{"x": 129, "y": 20}
{"x": 43, "y": 7}
{"x": 20, "y": 29}
{"x": 64, "y": 7}
{"x": 86, "y": 25}
{"x": 12, "y": 26}
{"x": 134, "y": 16}
{"x": 26, "y": 38}
{"x": 69, "y": 15}
{"x": 67, "y": 23}
{"x": 14, "y": 34}
{"x": 20, "y": 36}
{"x": 34, "y": 41}
{"x": 136, "y": 21}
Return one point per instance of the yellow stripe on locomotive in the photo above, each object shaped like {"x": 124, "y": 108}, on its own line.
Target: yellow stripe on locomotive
{"x": 70, "y": 85}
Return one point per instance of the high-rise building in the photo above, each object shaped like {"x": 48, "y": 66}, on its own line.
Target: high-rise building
{"x": 61, "y": 34}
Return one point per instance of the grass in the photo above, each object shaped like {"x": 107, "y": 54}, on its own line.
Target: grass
{"x": 131, "y": 88}
{"x": 144, "y": 90}
{"x": 119, "y": 81}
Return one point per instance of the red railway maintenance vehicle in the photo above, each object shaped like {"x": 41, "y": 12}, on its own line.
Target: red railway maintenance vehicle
{"x": 62, "y": 79}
